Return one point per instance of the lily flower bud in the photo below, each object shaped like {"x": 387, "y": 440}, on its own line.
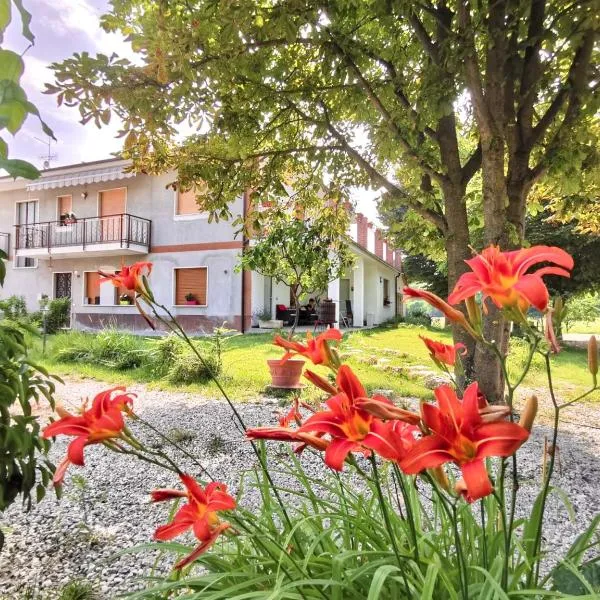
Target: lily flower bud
{"x": 474, "y": 312}
{"x": 439, "y": 474}
{"x": 529, "y": 413}
{"x": 593, "y": 356}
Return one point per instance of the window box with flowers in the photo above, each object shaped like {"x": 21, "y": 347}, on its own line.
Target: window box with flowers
{"x": 191, "y": 300}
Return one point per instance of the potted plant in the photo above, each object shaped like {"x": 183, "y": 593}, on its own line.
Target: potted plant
{"x": 304, "y": 249}
{"x": 125, "y": 300}
{"x": 68, "y": 218}
{"x": 190, "y": 299}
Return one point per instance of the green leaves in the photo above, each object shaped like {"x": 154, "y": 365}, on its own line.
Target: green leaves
{"x": 14, "y": 106}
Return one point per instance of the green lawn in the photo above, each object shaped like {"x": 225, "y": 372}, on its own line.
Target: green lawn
{"x": 580, "y": 327}
{"x": 381, "y": 358}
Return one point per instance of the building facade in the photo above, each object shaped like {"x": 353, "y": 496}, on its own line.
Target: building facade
{"x": 61, "y": 229}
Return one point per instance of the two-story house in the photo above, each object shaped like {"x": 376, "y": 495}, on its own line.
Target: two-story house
{"x": 60, "y": 229}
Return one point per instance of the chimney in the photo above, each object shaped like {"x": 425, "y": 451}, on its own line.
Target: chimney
{"x": 378, "y": 243}
{"x": 361, "y": 230}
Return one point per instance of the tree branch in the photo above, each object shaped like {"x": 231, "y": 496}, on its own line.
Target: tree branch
{"x": 572, "y": 93}
{"x": 383, "y": 111}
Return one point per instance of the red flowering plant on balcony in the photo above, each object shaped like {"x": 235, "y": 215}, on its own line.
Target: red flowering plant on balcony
{"x": 379, "y": 499}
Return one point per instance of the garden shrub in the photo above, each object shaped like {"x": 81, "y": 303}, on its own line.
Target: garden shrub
{"x": 24, "y": 465}
{"x": 14, "y": 308}
{"x": 188, "y": 368}
{"x": 416, "y": 314}
{"x": 57, "y": 317}
{"x": 163, "y": 353}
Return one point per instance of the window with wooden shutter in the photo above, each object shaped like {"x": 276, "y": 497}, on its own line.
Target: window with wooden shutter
{"x": 92, "y": 287}
{"x": 386, "y": 292}
{"x": 191, "y": 281}
{"x": 65, "y": 206}
{"x": 186, "y": 203}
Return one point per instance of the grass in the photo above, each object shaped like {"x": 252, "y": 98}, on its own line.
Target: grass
{"x": 382, "y": 358}
{"x": 581, "y": 327}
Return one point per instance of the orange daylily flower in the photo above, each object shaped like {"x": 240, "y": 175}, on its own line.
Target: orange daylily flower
{"x": 460, "y": 435}
{"x": 346, "y": 423}
{"x": 199, "y": 513}
{"x": 315, "y": 348}
{"x": 130, "y": 277}
{"x": 101, "y": 422}
{"x": 503, "y": 277}
{"x": 443, "y": 353}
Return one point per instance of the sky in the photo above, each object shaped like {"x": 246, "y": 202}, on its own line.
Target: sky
{"x": 62, "y": 27}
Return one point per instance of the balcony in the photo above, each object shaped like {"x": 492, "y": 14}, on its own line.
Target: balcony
{"x": 5, "y": 242}
{"x": 112, "y": 235}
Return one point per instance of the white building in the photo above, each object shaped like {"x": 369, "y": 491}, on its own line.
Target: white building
{"x": 60, "y": 229}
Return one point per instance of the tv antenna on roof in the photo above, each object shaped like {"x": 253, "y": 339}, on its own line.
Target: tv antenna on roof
{"x": 49, "y": 156}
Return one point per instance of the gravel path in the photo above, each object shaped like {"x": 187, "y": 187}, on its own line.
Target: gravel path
{"x": 105, "y": 506}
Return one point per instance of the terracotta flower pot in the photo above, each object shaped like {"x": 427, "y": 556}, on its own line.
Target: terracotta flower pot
{"x": 286, "y": 375}
{"x": 192, "y": 302}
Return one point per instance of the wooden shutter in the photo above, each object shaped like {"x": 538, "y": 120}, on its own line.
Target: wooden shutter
{"x": 65, "y": 205}
{"x": 92, "y": 286}
{"x": 191, "y": 281}
{"x": 186, "y": 203}
{"x": 112, "y": 202}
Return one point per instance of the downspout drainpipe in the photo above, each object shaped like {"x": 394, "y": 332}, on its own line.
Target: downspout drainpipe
{"x": 244, "y": 244}
{"x": 396, "y": 294}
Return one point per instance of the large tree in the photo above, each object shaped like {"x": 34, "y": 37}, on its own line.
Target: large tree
{"x": 411, "y": 97}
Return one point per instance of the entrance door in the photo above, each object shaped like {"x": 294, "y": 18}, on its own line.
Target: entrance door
{"x": 112, "y": 209}
{"x": 62, "y": 288}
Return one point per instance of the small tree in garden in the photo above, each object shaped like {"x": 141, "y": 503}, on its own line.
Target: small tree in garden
{"x": 304, "y": 252}
{"x": 416, "y": 504}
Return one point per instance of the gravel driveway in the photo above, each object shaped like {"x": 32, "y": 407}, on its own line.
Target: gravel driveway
{"x": 105, "y": 508}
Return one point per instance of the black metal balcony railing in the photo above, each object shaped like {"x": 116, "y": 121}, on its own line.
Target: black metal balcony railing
{"x": 123, "y": 229}
{"x": 5, "y": 242}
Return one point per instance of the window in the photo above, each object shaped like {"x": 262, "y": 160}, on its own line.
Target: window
{"x": 191, "y": 285}
{"x": 104, "y": 293}
{"x": 185, "y": 203}
{"x": 91, "y": 292}
{"x": 29, "y": 235}
{"x": 386, "y": 292}
{"x": 65, "y": 207}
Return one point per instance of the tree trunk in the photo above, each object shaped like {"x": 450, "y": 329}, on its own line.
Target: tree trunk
{"x": 457, "y": 250}
{"x": 488, "y": 370}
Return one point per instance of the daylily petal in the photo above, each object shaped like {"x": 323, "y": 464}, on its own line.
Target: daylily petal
{"x": 161, "y": 495}
{"x": 75, "y": 451}
{"x": 337, "y": 451}
{"x": 533, "y": 289}
{"x": 428, "y": 452}
{"x": 202, "y": 548}
{"x": 349, "y": 383}
{"x": 477, "y": 480}
{"x": 500, "y": 439}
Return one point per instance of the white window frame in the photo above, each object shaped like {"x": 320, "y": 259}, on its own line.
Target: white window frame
{"x": 192, "y": 217}
{"x": 15, "y": 257}
{"x": 174, "y": 286}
